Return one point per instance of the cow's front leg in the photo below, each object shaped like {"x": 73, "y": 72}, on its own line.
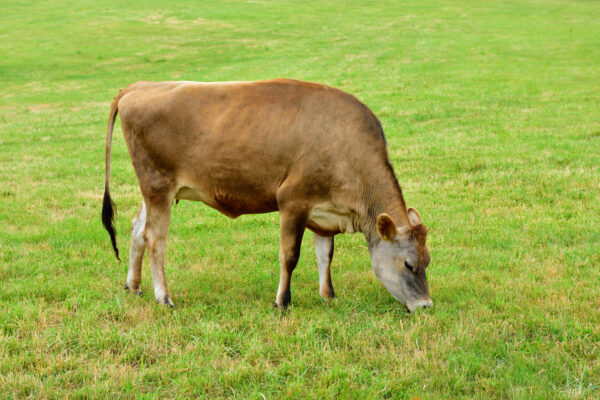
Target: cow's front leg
{"x": 293, "y": 224}
{"x": 324, "y": 251}
{"x": 158, "y": 215}
{"x": 136, "y": 252}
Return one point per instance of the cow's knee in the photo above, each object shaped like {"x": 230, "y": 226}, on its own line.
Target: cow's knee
{"x": 289, "y": 258}
{"x": 149, "y": 237}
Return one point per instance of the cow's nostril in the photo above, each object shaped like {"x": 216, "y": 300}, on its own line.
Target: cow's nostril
{"x": 426, "y": 304}
{"x": 419, "y": 305}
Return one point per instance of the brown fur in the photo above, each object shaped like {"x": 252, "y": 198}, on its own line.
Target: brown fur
{"x": 256, "y": 147}
{"x": 419, "y": 233}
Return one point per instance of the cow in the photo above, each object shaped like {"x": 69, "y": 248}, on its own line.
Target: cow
{"x": 312, "y": 152}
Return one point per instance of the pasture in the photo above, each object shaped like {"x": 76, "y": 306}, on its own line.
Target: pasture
{"x": 491, "y": 112}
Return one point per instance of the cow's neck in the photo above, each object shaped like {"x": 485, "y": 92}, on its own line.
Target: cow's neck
{"x": 382, "y": 196}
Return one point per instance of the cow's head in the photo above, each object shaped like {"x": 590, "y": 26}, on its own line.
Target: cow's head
{"x": 400, "y": 258}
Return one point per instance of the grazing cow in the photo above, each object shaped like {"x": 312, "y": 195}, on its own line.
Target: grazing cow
{"x": 314, "y": 153}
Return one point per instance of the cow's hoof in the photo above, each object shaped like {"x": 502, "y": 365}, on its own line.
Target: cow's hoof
{"x": 327, "y": 294}
{"x": 283, "y": 311}
{"x": 137, "y": 292}
{"x": 166, "y": 301}
{"x": 283, "y": 306}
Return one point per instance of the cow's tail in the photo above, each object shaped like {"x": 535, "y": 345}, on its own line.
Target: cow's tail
{"x": 108, "y": 206}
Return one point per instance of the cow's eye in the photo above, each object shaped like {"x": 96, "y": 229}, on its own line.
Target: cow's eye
{"x": 410, "y": 267}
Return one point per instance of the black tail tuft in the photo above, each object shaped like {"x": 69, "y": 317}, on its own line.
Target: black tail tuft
{"x": 108, "y": 214}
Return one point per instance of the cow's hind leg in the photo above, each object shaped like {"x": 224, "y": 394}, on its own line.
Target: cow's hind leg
{"x": 324, "y": 251}
{"x": 136, "y": 252}
{"x": 158, "y": 215}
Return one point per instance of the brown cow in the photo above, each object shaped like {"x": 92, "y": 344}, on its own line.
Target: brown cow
{"x": 314, "y": 153}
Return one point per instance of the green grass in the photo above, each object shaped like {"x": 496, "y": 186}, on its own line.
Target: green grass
{"x": 491, "y": 111}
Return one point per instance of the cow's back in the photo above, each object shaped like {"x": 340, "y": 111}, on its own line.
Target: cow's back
{"x": 235, "y": 143}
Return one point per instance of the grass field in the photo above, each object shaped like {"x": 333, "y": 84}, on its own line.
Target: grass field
{"x": 491, "y": 111}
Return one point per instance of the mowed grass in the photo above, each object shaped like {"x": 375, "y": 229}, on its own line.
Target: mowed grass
{"x": 491, "y": 111}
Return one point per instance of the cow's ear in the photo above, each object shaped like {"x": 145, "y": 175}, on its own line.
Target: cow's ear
{"x": 386, "y": 227}
{"x": 414, "y": 217}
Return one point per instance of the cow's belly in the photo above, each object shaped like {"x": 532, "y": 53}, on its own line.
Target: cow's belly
{"x": 188, "y": 193}
{"x": 229, "y": 202}
{"x": 328, "y": 219}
